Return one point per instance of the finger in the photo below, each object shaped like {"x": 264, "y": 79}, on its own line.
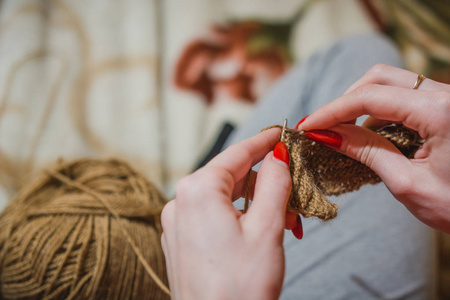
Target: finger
{"x": 301, "y": 121}
{"x": 239, "y": 158}
{"x": 163, "y": 244}
{"x": 168, "y": 216}
{"x": 387, "y": 75}
{"x": 412, "y": 108}
{"x": 167, "y": 223}
{"x": 199, "y": 188}
{"x": 272, "y": 190}
{"x": 168, "y": 240}
{"x": 246, "y": 184}
{"x": 243, "y": 186}
{"x": 377, "y": 153}
{"x": 374, "y": 124}
{"x": 167, "y": 260}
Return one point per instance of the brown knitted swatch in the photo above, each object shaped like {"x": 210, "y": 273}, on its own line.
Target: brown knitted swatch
{"x": 318, "y": 171}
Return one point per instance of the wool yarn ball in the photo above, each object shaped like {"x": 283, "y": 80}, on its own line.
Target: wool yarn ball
{"x": 87, "y": 229}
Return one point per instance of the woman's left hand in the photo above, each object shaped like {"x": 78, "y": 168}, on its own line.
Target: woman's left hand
{"x": 212, "y": 249}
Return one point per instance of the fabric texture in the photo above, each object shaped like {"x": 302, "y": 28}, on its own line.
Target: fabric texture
{"x": 318, "y": 171}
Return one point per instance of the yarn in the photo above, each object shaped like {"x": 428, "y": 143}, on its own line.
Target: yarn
{"x": 318, "y": 171}
{"x": 87, "y": 229}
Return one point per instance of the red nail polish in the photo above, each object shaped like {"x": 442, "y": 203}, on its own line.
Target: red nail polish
{"x": 300, "y": 122}
{"x": 325, "y": 137}
{"x": 281, "y": 152}
{"x": 291, "y": 220}
{"x": 298, "y": 230}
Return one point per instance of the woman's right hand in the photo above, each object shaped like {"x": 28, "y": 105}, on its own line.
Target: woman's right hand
{"x": 386, "y": 93}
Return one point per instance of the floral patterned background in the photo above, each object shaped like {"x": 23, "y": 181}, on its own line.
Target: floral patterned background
{"x": 239, "y": 60}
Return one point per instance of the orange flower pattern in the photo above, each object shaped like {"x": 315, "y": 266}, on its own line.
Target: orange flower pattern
{"x": 234, "y": 62}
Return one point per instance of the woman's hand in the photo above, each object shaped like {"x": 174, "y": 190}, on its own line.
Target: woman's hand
{"x": 212, "y": 250}
{"x": 386, "y": 94}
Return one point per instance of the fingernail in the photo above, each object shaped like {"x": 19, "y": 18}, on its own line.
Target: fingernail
{"x": 298, "y": 230}
{"x": 291, "y": 220}
{"x": 300, "y": 122}
{"x": 325, "y": 137}
{"x": 281, "y": 152}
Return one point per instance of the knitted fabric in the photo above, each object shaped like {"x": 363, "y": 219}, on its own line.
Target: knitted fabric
{"x": 318, "y": 171}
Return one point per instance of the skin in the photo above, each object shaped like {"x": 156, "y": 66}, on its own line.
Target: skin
{"x": 385, "y": 94}
{"x": 213, "y": 251}
{"x": 226, "y": 254}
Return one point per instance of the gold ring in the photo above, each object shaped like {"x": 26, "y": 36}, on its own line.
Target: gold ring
{"x": 419, "y": 80}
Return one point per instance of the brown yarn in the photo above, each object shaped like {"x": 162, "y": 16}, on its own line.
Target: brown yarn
{"x": 88, "y": 229}
{"x": 318, "y": 171}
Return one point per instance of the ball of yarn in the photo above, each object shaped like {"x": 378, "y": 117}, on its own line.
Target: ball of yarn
{"x": 87, "y": 229}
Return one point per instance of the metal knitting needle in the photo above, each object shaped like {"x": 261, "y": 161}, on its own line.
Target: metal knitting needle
{"x": 284, "y": 129}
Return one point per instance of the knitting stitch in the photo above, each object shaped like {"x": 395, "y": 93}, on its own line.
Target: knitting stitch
{"x": 318, "y": 171}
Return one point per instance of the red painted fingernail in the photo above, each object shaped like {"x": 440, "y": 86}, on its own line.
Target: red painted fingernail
{"x": 325, "y": 137}
{"x": 281, "y": 152}
{"x": 300, "y": 122}
{"x": 298, "y": 230}
{"x": 291, "y": 220}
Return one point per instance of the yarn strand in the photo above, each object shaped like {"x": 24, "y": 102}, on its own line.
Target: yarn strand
{"x": 125, "y": 233}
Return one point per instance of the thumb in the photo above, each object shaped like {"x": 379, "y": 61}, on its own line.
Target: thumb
{"x": 272, "y": 190}
{"x": 376, "y": 152}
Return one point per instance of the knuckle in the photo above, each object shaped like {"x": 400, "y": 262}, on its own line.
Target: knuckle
{"x": 402, "y": 187}
{"x": 183, "y": 185}
{"x": 365, "y": 94}
{"x": 443, "y": 101}
{"x": 380, "y": 68}
{"x": 219, "y": 179}
{"x": 441, "y": 106}
{"x": 368, "y": 154}
{"x": 364, "y": 91}
{"x": 244, "y": 152}
{"x": 377, "y": 70}
{"x": 208, "y": 180}
{"x": 189, "y": 188}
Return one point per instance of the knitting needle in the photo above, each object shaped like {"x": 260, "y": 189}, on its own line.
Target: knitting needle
{"x": 284, "y": 128}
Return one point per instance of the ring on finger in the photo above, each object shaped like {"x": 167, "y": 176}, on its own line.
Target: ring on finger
{"x": 419, "y": 80}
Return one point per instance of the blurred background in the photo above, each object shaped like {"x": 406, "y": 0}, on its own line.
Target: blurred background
{"x": 161, "y": 83}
